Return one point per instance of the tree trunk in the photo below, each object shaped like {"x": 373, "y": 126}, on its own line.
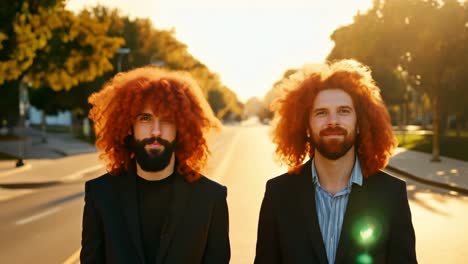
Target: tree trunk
{"x": 458, "y": 126}
{"x": 435, "y": 129}
{"x": 404, "y": 123}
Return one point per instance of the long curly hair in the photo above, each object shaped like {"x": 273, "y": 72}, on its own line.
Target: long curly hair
{"x": 375, "y": 141}
{"x": 171, "y": 94}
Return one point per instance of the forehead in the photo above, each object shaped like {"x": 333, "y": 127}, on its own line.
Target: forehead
{"x": 332, "y": 98}
{"x": 146, "y": 109}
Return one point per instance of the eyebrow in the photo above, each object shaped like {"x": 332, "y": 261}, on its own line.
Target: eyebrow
{"x": 319, "y": 109}
{"x": 144, "y": 114}
{"x": 346, "y": 107}
{"x": 326, "y": 109}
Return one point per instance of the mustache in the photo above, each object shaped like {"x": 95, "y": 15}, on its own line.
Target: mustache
{"x": 133, "y": 143}
{"x": 333, "y": 131}
{"x": 151, "y": 140}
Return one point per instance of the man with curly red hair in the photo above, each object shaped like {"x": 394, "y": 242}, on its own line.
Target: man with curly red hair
{"x": 153, "y": 205}
{"x": 338, "y": 207}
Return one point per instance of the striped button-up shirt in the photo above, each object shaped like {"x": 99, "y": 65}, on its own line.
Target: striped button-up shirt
{"x": 331, "y": 209}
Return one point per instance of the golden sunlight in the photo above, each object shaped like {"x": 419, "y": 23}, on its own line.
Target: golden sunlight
{"x": 248, "y": 43}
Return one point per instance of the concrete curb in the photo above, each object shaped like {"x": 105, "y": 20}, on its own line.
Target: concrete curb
{"x": 8, "y": 172}
{"x": 457, "y": 189}
{"x": 13, "y": 190}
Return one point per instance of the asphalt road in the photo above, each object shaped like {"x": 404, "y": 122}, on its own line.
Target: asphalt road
{"x": 44, "y": 226}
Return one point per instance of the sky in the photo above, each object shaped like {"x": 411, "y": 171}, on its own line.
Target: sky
{"x": 248, "y": 43}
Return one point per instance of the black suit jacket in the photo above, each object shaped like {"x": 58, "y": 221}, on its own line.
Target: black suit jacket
{"x": 196, "y": 230}
{"x": 289, "y": 231}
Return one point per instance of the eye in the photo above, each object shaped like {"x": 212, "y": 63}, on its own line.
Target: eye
{"x": 345, "y": 111}
{"x": 145, "y": 118}
{"x": 320, "y": 113}
{"x": 166, "y": 122}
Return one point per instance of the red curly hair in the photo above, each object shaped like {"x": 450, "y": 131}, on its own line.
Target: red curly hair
{"x": 171, "y": 94}
{"x": 375, "y": 142}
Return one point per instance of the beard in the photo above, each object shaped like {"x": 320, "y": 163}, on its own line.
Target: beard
{"x": 335, "y": 148}
{"x": 154, "y": 159}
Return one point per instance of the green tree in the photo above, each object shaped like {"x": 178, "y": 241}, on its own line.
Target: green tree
{"x": 425, "y": 39}
{"x": 52, "y": 47}
{"x": 216, "y": 100}
{"x": 150, "y": 45}
{"x": 48, "y": 47}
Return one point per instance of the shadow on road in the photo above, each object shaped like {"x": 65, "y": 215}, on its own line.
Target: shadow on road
{"x": 418, "y": 193}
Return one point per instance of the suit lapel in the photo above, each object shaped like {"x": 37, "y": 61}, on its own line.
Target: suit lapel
{"x": 307, "y": 188}
{"x": 130, "y": 210}
{"x": 181, "y": 195}
{"x": 356, "y": 201}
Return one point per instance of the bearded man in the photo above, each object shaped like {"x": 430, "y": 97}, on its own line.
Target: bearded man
{"x": 153, "y": 205}
{"x": 338, "y": 207}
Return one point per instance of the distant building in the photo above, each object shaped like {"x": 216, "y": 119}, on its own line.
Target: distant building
{"x": 62, "y": 118}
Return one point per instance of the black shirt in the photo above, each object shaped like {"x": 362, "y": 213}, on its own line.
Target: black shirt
{"x": 154, "y": 198}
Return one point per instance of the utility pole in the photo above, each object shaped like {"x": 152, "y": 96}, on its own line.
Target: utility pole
{"x": 23, "y": 107}
{"x": 121, "y": 52}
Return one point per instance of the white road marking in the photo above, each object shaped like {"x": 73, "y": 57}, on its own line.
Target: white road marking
{"x": 75, "y": 258}
{"x": 37, "y": 216}
{"x": 81, "y": 173}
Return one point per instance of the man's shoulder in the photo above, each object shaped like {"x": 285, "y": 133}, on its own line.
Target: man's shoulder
{"x": 286, "y": 182}
{"x": 101, "y": 181}
{"x": 383, "y": 184}
{"x": 385, "y": 179}
{"x": 284, "y": 178}
{"x": 209, "y": 186}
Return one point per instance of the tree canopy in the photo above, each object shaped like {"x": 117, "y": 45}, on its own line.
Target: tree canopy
{"x": 424, "y": 39}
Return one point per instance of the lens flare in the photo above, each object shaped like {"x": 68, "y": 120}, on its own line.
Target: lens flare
{"x": 366, "y": 233}
{"x": 364, "y": 259}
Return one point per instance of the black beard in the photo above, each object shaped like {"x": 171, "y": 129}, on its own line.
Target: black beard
{"x": 151, "y": 160}
{"x": 335, "y": 149}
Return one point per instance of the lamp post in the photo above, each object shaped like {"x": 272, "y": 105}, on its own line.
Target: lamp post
{"x": 121, "y": 52}
{"x": 23, "y": 106}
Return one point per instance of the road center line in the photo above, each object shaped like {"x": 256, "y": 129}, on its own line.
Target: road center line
{"x": 37, "y": 216}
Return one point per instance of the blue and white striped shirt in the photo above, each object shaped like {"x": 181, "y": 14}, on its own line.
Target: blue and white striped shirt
{"x": 331, "y": 209}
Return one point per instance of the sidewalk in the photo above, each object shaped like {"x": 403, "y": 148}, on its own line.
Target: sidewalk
{"x": 58, "y": 145}
{"x": 62, "y": 158}
{"x": 50, "y": 162}
{"x": 449, "y": 173}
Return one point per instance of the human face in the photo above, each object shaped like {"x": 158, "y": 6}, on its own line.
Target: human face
{"x": 148, "y": 125}
{"x": 332, "y": 121}
{"x": 153, "y": 141}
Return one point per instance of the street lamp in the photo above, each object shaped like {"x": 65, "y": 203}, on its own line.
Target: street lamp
{"x": 23, "y": 106}
{"x": 121, "y": 52}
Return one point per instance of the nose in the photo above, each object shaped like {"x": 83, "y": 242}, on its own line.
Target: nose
{"x": 332, "y": 119}
{"x": 156, "y": 129}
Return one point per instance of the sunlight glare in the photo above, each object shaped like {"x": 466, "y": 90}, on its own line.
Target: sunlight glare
{"x": 249, "y": 43}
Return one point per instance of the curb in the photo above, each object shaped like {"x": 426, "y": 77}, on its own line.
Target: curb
{"x": 8, "y": 172}
{"x": 457, "y": 189}
{"x": 12, "y": 190}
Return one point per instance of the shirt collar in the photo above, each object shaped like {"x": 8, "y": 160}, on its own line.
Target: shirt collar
{"x": 356, "y": 174}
